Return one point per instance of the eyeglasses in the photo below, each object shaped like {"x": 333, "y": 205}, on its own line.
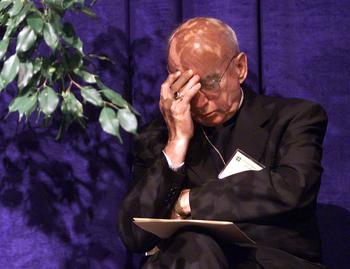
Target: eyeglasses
{"x": 212, "y": 82}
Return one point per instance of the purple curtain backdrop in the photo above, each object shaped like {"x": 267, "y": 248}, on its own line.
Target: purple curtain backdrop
{"x": 59, "y": 200}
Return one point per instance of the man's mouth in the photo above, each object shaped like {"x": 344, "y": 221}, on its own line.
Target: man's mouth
{"x": 209, "y": 113}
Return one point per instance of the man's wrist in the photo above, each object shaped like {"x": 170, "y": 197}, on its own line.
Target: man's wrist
{"x": 170, "y": 163}
{"x": 176, "y": 151}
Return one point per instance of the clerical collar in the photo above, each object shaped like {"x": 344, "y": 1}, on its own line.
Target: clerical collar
{"x": 241, "y": 101}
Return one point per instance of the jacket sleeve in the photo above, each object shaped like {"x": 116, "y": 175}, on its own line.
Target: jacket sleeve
{"x": 292, "y": 182}
{"x": 153, "y": 190}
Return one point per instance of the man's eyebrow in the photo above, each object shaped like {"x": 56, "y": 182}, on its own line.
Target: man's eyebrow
{"x": 211, "y": 76}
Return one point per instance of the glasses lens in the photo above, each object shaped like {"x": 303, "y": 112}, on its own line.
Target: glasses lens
{"x": 210, "y": 83}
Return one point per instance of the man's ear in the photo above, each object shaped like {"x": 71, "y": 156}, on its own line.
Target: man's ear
{"x": 242, "y": 65}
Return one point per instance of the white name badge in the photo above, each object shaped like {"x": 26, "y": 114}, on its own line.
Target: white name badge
{"x": 240, "y": 162}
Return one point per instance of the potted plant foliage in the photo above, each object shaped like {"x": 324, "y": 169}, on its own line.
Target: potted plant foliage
{"x": 45, "y": 57}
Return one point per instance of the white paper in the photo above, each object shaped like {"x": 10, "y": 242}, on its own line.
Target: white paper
{"x": 240, "y": 162}
{"x": 164, "y": 228}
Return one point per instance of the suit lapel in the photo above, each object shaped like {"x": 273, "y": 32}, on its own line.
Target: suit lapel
{"x": 199, "y": 162}
{"x": 249, "y": 135}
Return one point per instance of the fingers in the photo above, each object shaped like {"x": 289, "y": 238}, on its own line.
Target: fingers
{"x": 165, "y": 88}
{"x": 190, "y": 89}
{"x": 175, "y": 112}
{"x": 172, "y": 78}
{"x": 186, "y": 83}
{"x": 181, "y": 81}
{"x": 165, "y": 92}
{"x": 174, "y": 215}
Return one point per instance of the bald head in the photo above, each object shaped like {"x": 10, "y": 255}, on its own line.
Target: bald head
{"x": 201, "y": 41}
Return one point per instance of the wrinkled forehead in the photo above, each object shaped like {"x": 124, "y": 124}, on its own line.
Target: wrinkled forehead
{"x": 203, "y": 44}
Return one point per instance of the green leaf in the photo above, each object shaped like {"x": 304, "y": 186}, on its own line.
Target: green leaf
{"x": 78, "y": 44}
{"x": 70, "y": 37}
{"x": 88, "y": 11}
{"x": 72, "y": 110}
{"x": 25, "y": 74}
{"x": 109, "y": 121}
{"x": 93, "y": 2}
{"x": 112, "y": 96}
{"x": 50, "y": 36}
{"x": 25, "y": 39}
{"x": 67, "y": 4}
{"x": 18, "y": 4}
{"x": 48, "y": 100}
{"x": 100, "y": 57}
{"x": 55, "y": 19}
{"x": 47, "y": 68}
{"x": 14, "y": 22}
{"x": 127, "y": 120}
{"x": 115, "y": 98}
{"x": 2, "y": 86}
{"x": 35, "y": 22}
{"x": 3, "y": 20}
{"x": 11, "y": 26}
{"x": 55, "y": 4}
{"x": 86, "y": 76}
{"x": 51, "y": 70}
{"x": 10, "y": 69}
{"x": 3, "y": 47}
{"x": 4, "y": 4}
{"x": 28, "y": 5}
{"x": 72, "y": 60}
{"x": 37, "y": 63}
{"x": 71, "y": 105}
{"x": 24, "y": 104}
{"x": 91, "y": 95}
{"x": 68, "y": 32}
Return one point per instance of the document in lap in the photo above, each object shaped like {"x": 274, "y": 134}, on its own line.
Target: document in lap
{"x": 227, "y": 231}
{"x": 164, "y": 228}
{"x": 240, "y": 162}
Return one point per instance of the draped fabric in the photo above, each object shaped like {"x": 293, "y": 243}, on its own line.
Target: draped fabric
{"x": 59, "y": 199}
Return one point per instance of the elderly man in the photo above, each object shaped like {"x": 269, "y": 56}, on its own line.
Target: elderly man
{"x": 206, "y": 117}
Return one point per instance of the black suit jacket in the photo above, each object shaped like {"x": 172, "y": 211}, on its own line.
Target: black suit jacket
{"x": 274, "y": 206}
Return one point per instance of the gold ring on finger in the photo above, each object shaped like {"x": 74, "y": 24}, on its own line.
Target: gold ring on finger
{"x": 178, "y": 95}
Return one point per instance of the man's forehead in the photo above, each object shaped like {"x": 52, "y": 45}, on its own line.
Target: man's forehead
{"x": 199, "y": 42}
{"x": 196, "y": 54}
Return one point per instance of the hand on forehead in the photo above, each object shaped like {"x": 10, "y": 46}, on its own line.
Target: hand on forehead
{"x": 200, "y": 42}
